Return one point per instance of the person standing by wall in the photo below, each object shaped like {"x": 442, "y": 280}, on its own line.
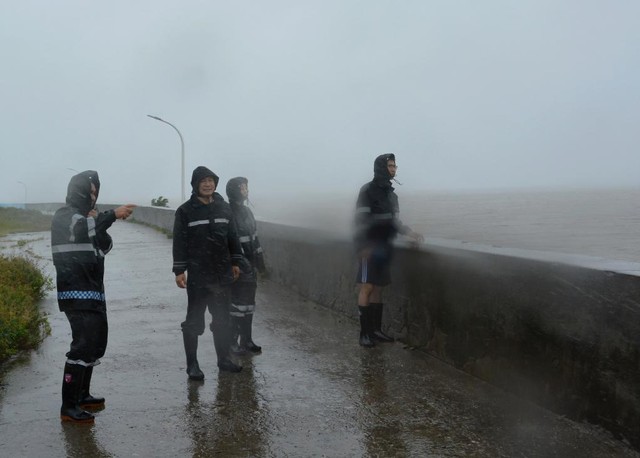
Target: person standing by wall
{"x": 243, "y": 292}
{"x": 206, "y": 256}
{"x": 79, "y": 243}
{"x": 376, "y": 226}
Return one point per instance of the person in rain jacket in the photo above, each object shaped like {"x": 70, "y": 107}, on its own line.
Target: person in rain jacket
{"x": 243, "y": 292}
{"x": 376, "y": 226}
{"x": 79, "y": 243}
{"x": 206, "y": 256}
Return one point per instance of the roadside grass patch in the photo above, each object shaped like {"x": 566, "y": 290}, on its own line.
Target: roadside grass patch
{"x": 20, "y": 220}
{"x": 22, "y": 325}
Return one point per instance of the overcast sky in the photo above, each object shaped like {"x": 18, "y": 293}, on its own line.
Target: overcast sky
{"x": 303, "y": 95}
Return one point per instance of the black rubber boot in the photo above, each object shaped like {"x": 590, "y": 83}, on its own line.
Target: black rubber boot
{"x": 365, "y": 327}
{"x": 221, "y": 339}
{"x": 86, "y": 400}
{"x": 71, "y": 386}
{"x": 236, "y": 326}
{"x": 246, "y": 341}
{"x": 226, "y": 365}
{"x": 191, "y": 351}
{"x": 377, "y": 334}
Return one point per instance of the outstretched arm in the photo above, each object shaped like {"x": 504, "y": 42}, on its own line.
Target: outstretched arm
{"x": 410, "y": 233}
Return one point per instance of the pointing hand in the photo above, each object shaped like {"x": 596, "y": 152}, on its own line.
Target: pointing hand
{"x": 124, "y": 211}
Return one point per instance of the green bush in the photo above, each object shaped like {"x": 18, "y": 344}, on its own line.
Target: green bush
{"x": 22, "y": 324}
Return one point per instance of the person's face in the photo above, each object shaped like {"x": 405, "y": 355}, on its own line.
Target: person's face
{"x": 206, "y": 187}
{"x": 392, "y": 168}
{"x": 244, "y": 190}
{"x": 94, "y": 195}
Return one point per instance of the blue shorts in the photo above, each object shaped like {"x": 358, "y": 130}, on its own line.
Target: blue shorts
{"x": 376, "y": 268}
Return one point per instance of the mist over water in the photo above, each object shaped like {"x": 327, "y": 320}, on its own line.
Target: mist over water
{"x": 603, "y": 223}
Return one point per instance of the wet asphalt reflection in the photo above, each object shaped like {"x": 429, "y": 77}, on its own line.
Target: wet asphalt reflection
{"x": 312, "y": 392}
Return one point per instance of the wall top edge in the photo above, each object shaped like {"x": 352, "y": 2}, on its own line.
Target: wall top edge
{"x": 434, "y": 244}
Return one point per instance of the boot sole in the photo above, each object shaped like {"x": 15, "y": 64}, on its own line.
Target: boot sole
{"x": 95, "y": 406}
{"x": 75, "y": 420}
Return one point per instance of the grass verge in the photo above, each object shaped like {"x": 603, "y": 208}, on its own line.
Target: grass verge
{"x": 22, "y": 286}
{"x": 19, "y": 220}
{"x": 22, "y": 324}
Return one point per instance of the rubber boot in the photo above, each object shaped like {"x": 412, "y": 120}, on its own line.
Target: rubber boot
{"x": 71, "y": 386}
{"x": 226, "y": 365}
{"x": 365, "y": 327}
{"x": 86, "y": 400}
{"x": 221, "y": 337}
{"x": 246, "y": 342}
{"x": 236, "y": 326}
{"x": 377, "y": 334}
{"x": 191, "y": 351}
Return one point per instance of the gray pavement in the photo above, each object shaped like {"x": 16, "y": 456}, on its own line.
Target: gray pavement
{"x": 313, "y": 391}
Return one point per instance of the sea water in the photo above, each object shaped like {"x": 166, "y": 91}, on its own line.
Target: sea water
{"x": 604, "y": 223}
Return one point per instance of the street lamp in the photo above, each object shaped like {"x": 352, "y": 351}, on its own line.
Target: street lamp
{"x": 25, "y": 193}
{"x": 182, "y": 150}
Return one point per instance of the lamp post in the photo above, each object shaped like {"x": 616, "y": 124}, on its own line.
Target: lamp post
{"x": 182, "y": 154}
{"x": 25, "y": 193}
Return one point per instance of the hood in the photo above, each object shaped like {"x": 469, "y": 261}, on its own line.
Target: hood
{"x": 233, "y": 189}
{"x": 380, "y": 171}
{"x": 198, "y": 174}
{"x": 79, "y": 190}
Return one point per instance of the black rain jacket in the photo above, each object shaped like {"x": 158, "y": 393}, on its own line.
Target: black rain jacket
{"x": 205, "y": 242}
{"x": 79, "y": 243}
{"x": 377, "y": 208}
{"x": 245, "y": 224}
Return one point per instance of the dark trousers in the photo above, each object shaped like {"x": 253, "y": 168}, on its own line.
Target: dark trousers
{"x": 216, "y": 298}
{"x": 243, "y": 298}
{"x": 89, "y": 330}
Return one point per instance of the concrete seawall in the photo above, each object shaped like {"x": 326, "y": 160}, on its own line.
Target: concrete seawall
{"x": 562, "y": 331}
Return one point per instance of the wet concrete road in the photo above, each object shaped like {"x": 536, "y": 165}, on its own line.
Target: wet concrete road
{"x": 313, "y": 391}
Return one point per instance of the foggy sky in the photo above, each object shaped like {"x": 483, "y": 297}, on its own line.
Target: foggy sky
{"x": 302, "y": 95}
